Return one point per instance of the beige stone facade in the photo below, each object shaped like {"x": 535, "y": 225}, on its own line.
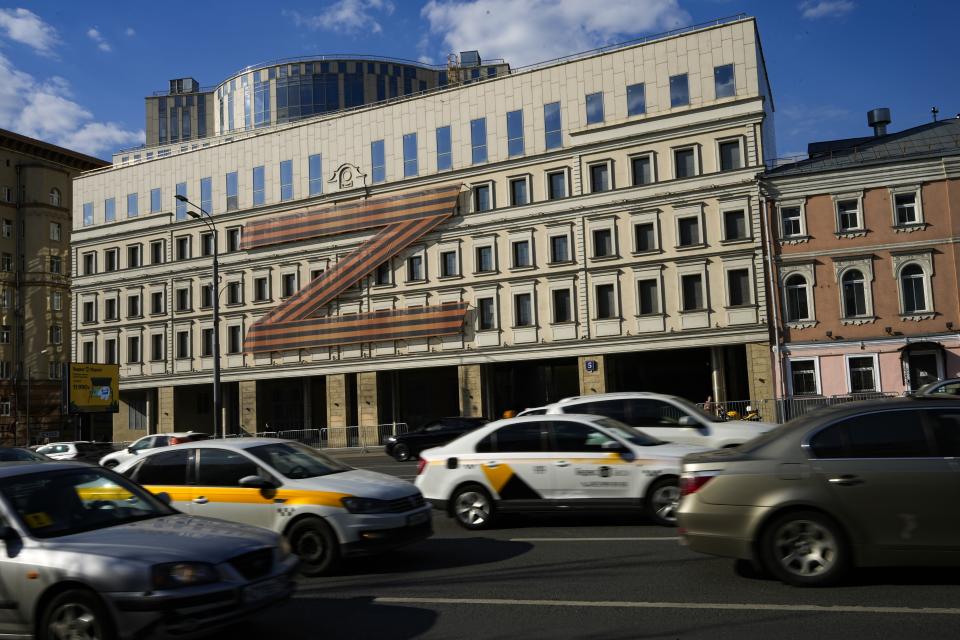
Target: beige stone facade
{"x": 640, "y": 275}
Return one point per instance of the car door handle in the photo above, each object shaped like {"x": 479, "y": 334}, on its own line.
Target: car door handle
{"x": 201, "y": 500}
{"x": 561, "y": 463}
{"x": 493, "y": 464}
{"x": 846, "y": 480}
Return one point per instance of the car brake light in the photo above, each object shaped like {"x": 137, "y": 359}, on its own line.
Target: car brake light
{"x": 691, "y": 483}
{"x": 421, "y": 464}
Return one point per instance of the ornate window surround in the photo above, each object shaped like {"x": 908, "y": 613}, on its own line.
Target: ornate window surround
{"x": 924, "y": 260}
{"x": 864, "y": 264}
{"x": 808, "y": 271}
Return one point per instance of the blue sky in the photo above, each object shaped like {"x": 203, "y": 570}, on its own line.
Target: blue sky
{"x": 75, "y": 73}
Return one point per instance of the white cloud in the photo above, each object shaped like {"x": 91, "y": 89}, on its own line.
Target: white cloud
{"x": 130, "y": 32}
{"x": 345, "y": 16}
{"x": 94, "y": 34}
{"x": 26, "y": 27}
{"x": 538, "y": 30}
{"x": 46, "y": 110}
{"x": 821, "y": 121}
{"x": 813, "y": 9}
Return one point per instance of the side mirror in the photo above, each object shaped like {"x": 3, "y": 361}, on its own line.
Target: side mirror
{"x": 612, "y": 445}
{"x": 627, "y": 456}
{"x": 163, "y": 497}
{"x": 256, "y": 482}
{"x": 7, "y": 533}
{"x": 131, "y": 450}
{"x": 688, "y": 421}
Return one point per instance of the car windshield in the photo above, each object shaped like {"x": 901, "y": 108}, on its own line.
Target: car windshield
{"x": 698, "y": 411}
{"x": 297, "y": 461}
{"x": 628, "y": 433}
{"x": 59, "y": 503}
{"x": 13, "y": 454}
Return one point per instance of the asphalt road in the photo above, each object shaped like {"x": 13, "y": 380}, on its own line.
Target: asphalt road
{"x": 594, "y": 577}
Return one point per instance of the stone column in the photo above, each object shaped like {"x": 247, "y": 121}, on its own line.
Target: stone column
{"x": 470, "y": 377}
{"x": 307, "y": 403}
{"x": 336, "y": 410}
{"x": 717, "y": 375}
{"x": 248, "y": 406}
{"x": 367, "y": 410}
{"x": 592, "y": 381}
{"x": 760, "y": 371}
{"x": 165, "y": 413}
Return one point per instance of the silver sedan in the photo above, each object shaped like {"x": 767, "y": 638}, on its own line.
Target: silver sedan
{"x": 87, "y": 554}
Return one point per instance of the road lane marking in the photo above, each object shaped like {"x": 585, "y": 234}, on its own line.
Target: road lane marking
{"x": 674, "y": 538}
{"x": 722, "y": 606}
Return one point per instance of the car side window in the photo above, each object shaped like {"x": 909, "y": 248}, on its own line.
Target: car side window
{"x": 946, "y": 431}
{"x": 164, "y": 469}
{"x": 829, "y": 443}
{"x": 883, "y": 434}
{"x": 653, "y": 413}
{"x": 616, "y": 409}
{"x": 224, "y": 468}
{"x": 952, "y": 389}
{"x": 577, "y": 437}
{"x": 161, "y": 441}
{"x": 521, "y": 437}
{"x": 433, "y": 428}
{"x": 144, "y": 443}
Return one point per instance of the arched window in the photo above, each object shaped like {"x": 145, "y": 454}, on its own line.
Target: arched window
{"x": 854, "y": 294}
{"x": 55, "y": 197}
{"x": 912, "y": 289}
{"x": 796, "y": 292}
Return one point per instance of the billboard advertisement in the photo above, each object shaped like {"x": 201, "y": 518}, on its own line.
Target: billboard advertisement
{"x": 94, "y": 388}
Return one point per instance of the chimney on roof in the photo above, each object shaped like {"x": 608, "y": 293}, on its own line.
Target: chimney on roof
{"x": 879, "y": 119}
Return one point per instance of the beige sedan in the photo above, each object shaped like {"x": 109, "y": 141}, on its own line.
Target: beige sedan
{"x": 863, "y": 484}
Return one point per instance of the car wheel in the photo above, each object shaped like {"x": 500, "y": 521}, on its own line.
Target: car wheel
{"x": 473, "y": 507}
{"x": 110, "y": 464}
{"x": 316, "y": 545}
{"x": 75, "y": 614}
{"x": 401, "y": 452}
{"x": 805, "y": 549}
{"x": 662, "y": 500}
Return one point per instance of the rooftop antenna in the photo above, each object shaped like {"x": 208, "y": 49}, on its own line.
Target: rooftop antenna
{"x": 934, "y": 111}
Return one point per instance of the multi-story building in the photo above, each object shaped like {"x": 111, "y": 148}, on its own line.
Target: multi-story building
{"x": 586, "y": 225}
{"x": 35, "y": 329}
{"x": 286, "y": 90}
{"x": 865, "y": 236}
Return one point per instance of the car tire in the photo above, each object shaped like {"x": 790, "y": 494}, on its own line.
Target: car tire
{"x": 805, "y": 549}
{"x": 111, "y": 464}
{"x": 401, "y": 452}
{"x": 75, "y": 613}
{"x": 473, "y": 508}
{"x": 316, "y": 545}
{"x": 662, "y": 500}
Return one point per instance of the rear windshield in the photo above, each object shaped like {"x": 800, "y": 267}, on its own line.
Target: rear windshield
{"x": 9, "y": 454}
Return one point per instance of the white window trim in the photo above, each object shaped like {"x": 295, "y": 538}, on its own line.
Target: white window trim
{"x": 163, "y": 358}
{"x": 295, "y": 272}
{"x": 597, "y": 280}
{"x": 611, "y": 182}
{"x": 653, "y": 167}
{"x": 518, "y": 290}
{"x": 682, "y": 213}
{"x": 739, "y": 264}
{"x": 606, "y": 223}
{"x": 473, "y": 198}
{"x": 697, "y": 164}
{"x": 485, "y": 242}
{"x": 564, "y": 231}
{"x": 809, "y": 273}
{"x": 526, "y": 177}
{"x": 917, "y": 191}
{"x": 177, "y": 330}
{"x": 563, "y": 284}
{"x": 693, "y": 268}
{"x": 447, "y": 247}
{"x": 645, "y": 217}
{"x": 520, "y": 236}
{"x": 864, "y": 264}
{"x": 800, "y": 204}
{"x": 566, "y": 182}
{"x": 736, "y": 205}
{"x": 816, "y": 375}
{"x": 860, "y": 229}
{"x": 924, "y": 260}
{"x": 420, "y": 252}
{"x": 877, "y": 383}
{"x": 652, "y": 272}
{"x": 487, "y": 292}
{"x": 741, "y": 142}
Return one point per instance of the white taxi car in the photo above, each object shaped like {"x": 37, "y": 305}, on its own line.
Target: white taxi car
{"x": 326, "y": 509}
{"x": 542, "y": 463}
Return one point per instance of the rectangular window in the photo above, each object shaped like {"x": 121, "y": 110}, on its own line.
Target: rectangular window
{"x": 790, "y": 221}
{"x": 518, "y": 192}
{"x": 206, "y": 296}
{"x": 87, "y": 214}
{"x": 648, "y": 297}
{"x": 206, "y": 244}
{"x": 206, "y": 343}
{"x": 156, "y": 347}
{"x": 636, "y": 100}
{"x": 552, "y": 126}
{"x": 594, "y": 107}
{"x": 556, "y": 185}
{"x": 478, "y": 140}
{"x": 481, "y": 198}
{"x": 486, "y": 314}
{"x": 688, "y": 231}
{"x": 735, "y": 225}
{"x": 644, "y": 237}
{"x": 288, "y": 283}
{"x": 606, "y": 302}
{"x": 56, "y": 334}
{"x": 259, "y": 191}
{"x": 738, "y": 287}
{"x": 157, "y": 252}
{"x": 111, "y": 259}
{"x": 409, "y": 155}
{"x": 133, "y": 256}
{"x": 730, "y": 156}
{"x": 90, "y": 352}
{"x": 679, "y": 91}
{"x": 133, "y": 349}
{"x": 181, "y": 207}
{"x": 206, "y": 194}
{"x": 803, "y": 375}
{"x": 183, "y": 248}
{"x": 5, "y": 334}
{"x": 56, "y": 300}
{"x": 234, "y": 339}
{"x": 515, "y": 133}
{"x": 109, "y": 350}
{"x": 89, "y": 263}
{"x": 234, "y": 293}
{"x": 444, "y": 152}
{"x": 6, "y": 262}
{"x": 232, "y": 188}
{"x": 641, "y": 169}
{"x": 559, "y": 249}
{"x": 133, "y": 205}
{"x": 848, "y": 215}
{"x": 183, "y": 299}
{"x": 286, "y": 180}
{"x": 261, "y": 289}
{"x": 382, "y": 274}
{"x": 448, "y": 264}
{"x": 484, "y": 259}
{"x": 562, "y": 307}
{"x": 378, "y": 161}
{"x": 233, "y": 239}
{"x": 684, "y": 163}
{"x": 6, "y": 230}
{"x": 156, "y": 302}
{"x": 522, "y": 310}
{"x": 692, "y": 291}
{"x": 415, "y": 269}
{"x": 862, "y": 374}
{"x": 723, "y": 84}
{"x": 56, "y": 264}
{"x": 183, "y": 344}
{"x": 906, "y": 206}
{"x": 520, "y": 250}
{"x": 133, "y": 306}
{"x": 155, "y": 201}
{"x": 599, "y": 177}
{"x": 110, "y": 309}
{"x": 109, "y": 210}
{"x": 55, "y": 231}
{"x": 602, "y": 243}
{"x": 315, "y": 170}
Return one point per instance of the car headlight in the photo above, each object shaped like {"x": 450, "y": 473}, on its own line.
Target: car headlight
{"x": 174, "y": 575}
{"x": 392, "y": 439}
{"x": 363, "y": 505}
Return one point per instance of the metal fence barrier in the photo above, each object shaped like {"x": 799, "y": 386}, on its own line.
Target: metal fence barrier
{"x": 349, "y": 437}
{"x": 782, "y": 409}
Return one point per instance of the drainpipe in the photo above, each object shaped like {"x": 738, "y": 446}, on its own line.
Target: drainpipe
{"x": 773, "y": 298}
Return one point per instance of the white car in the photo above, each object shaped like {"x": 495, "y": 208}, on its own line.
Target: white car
{"x": 545, "y": 463}
{"x": 665, "y": 417}
{"x": 326, "y": 509}
{"x": 146, "y": 443}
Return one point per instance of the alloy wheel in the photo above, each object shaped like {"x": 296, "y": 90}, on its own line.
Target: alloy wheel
{"x": 311, "y": 547}
{"x": 74, "y": 621}
{"x": 666, "y": 499}
{"x": 472, "y": 508}
{"x": 805, "y": 548}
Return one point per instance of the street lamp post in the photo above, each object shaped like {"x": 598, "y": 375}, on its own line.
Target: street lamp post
{"x": 218, "y": 428}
